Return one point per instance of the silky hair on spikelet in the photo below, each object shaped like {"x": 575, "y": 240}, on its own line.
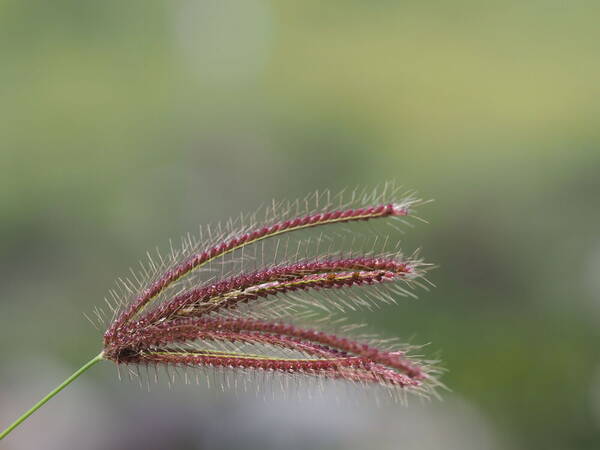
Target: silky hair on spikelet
{"x": 263, "y": 298}
{"x": 245, "y": 297}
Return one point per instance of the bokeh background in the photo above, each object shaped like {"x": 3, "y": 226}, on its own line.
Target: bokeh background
{"x": 123, "y": 124}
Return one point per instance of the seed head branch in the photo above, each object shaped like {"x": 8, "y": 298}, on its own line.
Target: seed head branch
{"x": 210, "y": 254}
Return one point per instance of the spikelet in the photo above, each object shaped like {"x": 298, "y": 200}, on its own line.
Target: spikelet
{"x": 245, "y": 296}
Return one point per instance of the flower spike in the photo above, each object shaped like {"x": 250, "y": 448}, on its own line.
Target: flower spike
{"x": 247, "y": 321}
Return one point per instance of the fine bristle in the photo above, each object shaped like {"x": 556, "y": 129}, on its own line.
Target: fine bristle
{"x": 237, "y": 296}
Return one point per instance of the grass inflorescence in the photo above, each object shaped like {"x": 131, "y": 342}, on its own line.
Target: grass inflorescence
{"x": 248, "y": 297}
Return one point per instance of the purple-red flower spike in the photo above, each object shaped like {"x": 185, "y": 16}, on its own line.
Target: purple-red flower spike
{"x": 249, "y": 320}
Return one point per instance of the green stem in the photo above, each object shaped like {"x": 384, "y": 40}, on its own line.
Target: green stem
{"x": 52, "y": 393}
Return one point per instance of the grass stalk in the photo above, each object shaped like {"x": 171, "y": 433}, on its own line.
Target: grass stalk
{"x": 52, "y": 393}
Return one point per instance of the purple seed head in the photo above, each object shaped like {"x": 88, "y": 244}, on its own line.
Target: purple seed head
{"x": 183, "y": 312}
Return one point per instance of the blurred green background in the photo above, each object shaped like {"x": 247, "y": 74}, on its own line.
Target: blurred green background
{"x": 123, "y": 124}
